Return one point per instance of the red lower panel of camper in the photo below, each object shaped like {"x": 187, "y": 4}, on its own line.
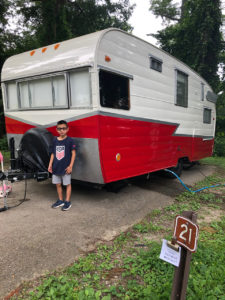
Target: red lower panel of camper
{"x": 144, "y": 147}
{"x": 130, "y": 147}
{"x": 16, "y": 127}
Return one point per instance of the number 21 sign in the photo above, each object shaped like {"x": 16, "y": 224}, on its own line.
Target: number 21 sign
{"x": 186, "y": 233}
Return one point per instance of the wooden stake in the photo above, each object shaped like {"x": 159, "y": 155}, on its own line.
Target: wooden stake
{"x": 181, "y": 273}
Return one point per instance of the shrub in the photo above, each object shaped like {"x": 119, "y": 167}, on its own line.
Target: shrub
{"x": 219, "y": 146}
{"x": 3, "y": 144}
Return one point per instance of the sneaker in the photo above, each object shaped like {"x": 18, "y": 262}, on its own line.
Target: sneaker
{"x": 58, "y": 203}
{"x": 66, "y": 205}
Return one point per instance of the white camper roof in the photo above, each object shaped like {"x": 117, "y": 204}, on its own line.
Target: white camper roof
{"x": 73, "y": 53}
{"x": 70, "y": 54}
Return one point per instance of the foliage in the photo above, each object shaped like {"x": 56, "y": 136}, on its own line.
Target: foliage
{"x": 220, "y": 109}
{"x": 196, "y": 38}
{"x": 217, "y": 161}
{"x": 4, "y": 5}
{"x": 165, "y": 9}
{"x": 57, "y": 20}
{"x": 219, "y": 146}
{"x": 3, "y": 144}
{"x": 2, "y": 123}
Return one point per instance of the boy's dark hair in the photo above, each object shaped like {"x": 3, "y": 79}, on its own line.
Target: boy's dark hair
{"x": 61, "y": 122}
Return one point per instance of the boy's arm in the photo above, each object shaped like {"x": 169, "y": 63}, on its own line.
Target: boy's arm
{"x": 70, "y": 167}
{"x": 50, "y": 163}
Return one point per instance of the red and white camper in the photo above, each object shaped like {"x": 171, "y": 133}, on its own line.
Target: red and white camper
{"x": 131, "y": 107}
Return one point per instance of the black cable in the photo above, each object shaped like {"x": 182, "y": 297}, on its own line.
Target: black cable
{"x": 24, "y": 198}
{"x": 21, "y": 201}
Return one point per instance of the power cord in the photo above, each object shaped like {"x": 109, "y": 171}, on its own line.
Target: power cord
{"x": 187, "y": 188}
{"x": 21, "y": 201}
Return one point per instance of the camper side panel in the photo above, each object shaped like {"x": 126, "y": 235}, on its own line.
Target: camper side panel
{"x": 155, "y": 131}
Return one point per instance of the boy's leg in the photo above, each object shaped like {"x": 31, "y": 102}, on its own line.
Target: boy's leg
{"x": 67, "y": 182}
{"x": 59, "y": 191}
{"x": 57, "y": 181}
{"x": 68, "y": 192}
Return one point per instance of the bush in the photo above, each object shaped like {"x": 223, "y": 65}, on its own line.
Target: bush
{"x": 4, "y": 144}
{"x": 219, "y": 146}
{"x": 2, "y": 119}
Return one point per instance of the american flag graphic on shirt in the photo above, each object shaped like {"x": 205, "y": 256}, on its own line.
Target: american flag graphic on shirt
{"x": 60, "y": 152}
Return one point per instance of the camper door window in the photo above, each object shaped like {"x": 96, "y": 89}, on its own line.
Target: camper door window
{"x": 181, "y": 89}
{"x": 114, "y": 90}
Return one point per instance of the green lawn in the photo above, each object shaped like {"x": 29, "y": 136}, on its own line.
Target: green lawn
{"x": 216, "y": 161}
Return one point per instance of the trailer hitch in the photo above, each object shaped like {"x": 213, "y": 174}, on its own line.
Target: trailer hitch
{"x": 13, "y": 175}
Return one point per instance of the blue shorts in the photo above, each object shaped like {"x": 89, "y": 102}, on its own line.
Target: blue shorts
{"x": 64, "y": 179}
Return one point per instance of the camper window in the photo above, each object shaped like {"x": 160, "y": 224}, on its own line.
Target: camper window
{"x": 155, "y": 64}
{"x": 24, "y": 95}
{"x": 11, "y": 91}
{"x": 207, "y": 116}
{"x": 41, "y": 93}
{"x": 44, "y": 92}
{"x": 181, "y": 89}
{"x": 114, "y": 90}
{"x": 59, "y": 91}
{"x": 80, "y": 89}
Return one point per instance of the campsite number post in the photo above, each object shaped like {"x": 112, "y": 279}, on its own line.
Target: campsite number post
{"x": 186, "y": 235}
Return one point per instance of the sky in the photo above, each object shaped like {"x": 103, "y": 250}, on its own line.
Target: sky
{"x": 143, "y": 21}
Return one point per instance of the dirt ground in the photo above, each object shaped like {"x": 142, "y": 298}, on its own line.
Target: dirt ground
{"x": 35, "y": 239}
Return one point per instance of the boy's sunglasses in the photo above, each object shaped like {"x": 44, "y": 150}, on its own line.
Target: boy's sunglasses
{"x": 61, "y": 128}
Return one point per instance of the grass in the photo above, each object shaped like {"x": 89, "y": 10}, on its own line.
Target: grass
{"x": 216, "y": 161}
{"x": 129, "y": 267}
{"x": 4, "y": 150}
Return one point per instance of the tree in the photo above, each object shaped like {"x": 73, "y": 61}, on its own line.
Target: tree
{"x": 51, "y": 21}
{"x": 4, "y": 6}
{"x": 195, "y": 38}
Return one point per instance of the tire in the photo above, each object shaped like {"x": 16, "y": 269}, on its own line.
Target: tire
{"x": 177, "y": 170}
{"x": 34, "y": 149}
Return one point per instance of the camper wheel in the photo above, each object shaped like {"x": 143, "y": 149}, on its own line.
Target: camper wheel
{"x": 178, "y": 169}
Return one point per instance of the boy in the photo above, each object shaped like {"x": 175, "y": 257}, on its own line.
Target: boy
{"x": 61, "y": 164}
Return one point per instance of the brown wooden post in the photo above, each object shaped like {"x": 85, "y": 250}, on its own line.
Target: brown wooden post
{"x": 181, "y": 273}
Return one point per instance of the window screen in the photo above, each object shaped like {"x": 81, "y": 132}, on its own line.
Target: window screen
{"x": 12, "y": 102}
{"x": 114, "y": 90}
{"x": 80, "y": 89}
{"x": 207, "y": 115}
{"x": 59, "y": 91}
{"x": 41, "y": 92}
{"x": 182, "y": 89}
{"x": 45, "y": 92}
{"x": 155, "y": 64}
{"x": 24, "y": 94}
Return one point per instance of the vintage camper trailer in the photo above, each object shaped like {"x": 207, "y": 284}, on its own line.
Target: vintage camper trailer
{"x": 131, "y": 107}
